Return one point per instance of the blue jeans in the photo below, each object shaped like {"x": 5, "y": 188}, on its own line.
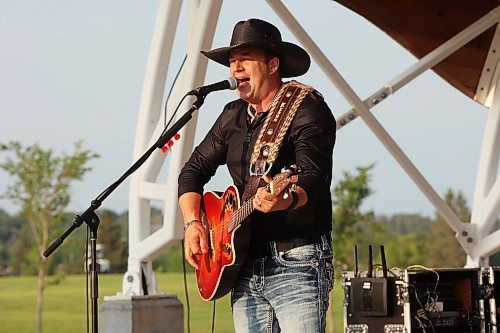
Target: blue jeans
{"x": 286, "y": 292}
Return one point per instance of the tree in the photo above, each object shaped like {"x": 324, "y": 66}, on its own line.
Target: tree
{"x": 9, "y": 230}
{"x": 351, "y": 226}
{"x": 443, "y": 249}
{"x": 405, "y": 250}
{"x": 41, "y": 188}
{"x": 404, "y": 239}
{"x": 112, "y": 238}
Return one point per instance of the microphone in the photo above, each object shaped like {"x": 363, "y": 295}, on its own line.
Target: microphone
{"x": 230, "y": 83}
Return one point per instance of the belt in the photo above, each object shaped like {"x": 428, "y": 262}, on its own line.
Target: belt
{"x": 288, "y": 244}
{"x": 284, "y": 245}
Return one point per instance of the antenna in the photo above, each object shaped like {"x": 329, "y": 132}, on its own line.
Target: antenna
{"x": 356, "y": 270}
{"x": 370, "y": 261}
{"x": 384, "y": 263}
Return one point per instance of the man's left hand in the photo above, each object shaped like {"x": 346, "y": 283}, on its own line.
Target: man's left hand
{"x": 266, "y": 201}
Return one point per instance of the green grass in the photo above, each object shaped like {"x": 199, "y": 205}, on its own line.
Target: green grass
{"x": 65, "y": 303}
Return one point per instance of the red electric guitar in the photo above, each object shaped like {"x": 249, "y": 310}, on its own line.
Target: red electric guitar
{"x": 228, "y": 237}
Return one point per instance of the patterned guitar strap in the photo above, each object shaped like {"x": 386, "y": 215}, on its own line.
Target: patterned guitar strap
{"x": 266, "y": 148}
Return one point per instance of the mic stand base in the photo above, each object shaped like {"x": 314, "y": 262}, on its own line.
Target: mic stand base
{"x": 127, "y": 314}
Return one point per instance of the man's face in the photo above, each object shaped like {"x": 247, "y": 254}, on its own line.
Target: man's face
{"x": 253, "y": 70}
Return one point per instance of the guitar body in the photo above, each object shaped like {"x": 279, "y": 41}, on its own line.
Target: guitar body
{"x": 228, "y": 244}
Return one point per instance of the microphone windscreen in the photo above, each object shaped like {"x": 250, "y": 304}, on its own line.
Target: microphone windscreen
{"x": 233, "y": 83}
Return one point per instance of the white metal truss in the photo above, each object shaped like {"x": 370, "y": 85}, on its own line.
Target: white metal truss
{"x": 489, "y": 75}
{"x": 486, "y": 206}
{"x": 144, "y": 245}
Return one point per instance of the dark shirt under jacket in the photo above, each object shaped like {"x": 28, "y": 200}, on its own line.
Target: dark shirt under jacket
{"x": 308, "y": 144}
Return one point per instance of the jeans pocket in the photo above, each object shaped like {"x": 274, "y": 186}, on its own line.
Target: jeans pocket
{"x": 305, "y": 255}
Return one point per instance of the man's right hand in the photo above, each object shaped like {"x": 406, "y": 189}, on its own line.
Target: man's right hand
{"x": 195, "y": 243}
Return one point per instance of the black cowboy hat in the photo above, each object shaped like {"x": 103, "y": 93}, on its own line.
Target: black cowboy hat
{"x": 255, "y": 33}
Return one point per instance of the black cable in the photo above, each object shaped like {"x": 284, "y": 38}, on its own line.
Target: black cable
{"x": 173, "y": 114}
{"x": 185, "y": 287}
{"x": 422, "y": 313}
{"x": 213, "y": 316}
{"x": 165, "y": 124}
{"x": 187, "y": 295}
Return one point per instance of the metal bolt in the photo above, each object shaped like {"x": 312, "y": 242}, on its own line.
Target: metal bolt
{"x": 464, "y": 233}
{"x": 470, "y": 239}
{"x": 130, "y": 278}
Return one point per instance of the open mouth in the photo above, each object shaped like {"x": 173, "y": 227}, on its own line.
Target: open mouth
{"x": 243, "y": 80}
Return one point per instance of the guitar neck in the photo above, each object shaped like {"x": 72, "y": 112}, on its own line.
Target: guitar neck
{"x": 278, "y": 184}
{"x": 242, "y": 213}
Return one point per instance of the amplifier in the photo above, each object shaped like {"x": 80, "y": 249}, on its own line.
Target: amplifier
{"x": 420, "y": 300}
{"x": 373, "y": 304}
{"x": 444, "y": 300}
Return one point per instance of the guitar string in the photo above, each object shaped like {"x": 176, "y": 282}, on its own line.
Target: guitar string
{"x": 246, "y": 208}
{"x": 243, "y": 212}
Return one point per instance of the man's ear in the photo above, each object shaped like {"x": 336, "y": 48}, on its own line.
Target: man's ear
{"x": 274, "y": 64}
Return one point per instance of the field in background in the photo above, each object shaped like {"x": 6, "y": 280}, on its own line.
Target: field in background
{"x": 65, "y": 303}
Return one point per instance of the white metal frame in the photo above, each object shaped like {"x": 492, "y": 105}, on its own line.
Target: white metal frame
{"x": 144, "y": 246}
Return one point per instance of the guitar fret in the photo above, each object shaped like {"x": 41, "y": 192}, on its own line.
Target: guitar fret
{"x": 241, "y": 214}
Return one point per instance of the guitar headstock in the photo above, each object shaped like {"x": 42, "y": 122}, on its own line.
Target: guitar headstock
{"x": 283, "y": 181}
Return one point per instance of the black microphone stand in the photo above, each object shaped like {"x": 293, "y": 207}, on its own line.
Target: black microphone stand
{"x": 91, "y": 218}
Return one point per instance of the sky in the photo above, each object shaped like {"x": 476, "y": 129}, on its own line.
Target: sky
{"x": 74, "y": 70}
